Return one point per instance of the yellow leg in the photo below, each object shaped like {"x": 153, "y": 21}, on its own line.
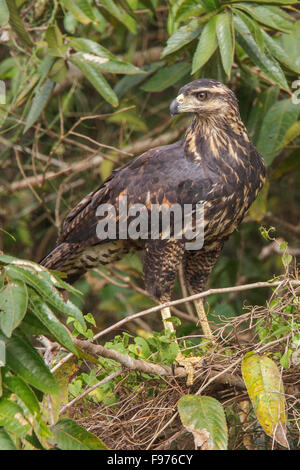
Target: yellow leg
{"x": 203, "y": 319}
{"x": 186, "y": 362}
{"x": 165, "y": 313}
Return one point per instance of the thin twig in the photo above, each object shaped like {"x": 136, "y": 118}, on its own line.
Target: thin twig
{"x": 223, "y": 290}
{"x": 90, "y": 389}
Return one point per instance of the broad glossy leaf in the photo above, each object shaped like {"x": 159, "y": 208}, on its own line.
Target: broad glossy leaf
{"x": 205, "y": 418}
{"x": 290, "y": 43}
{"x": 206, "y": 46}
{"x": 279, "y": 53}
{"x": 166, "y": 77}
{"x": 279, "y": 2}
{"x": 54, "y": 40}
{"x": 291, "y": 134}
{"x": 39, "y": 102}
{"x": 6, "y": 442}
{"x": 46, "y": 291}
{"x": 31, "y": 325}
{"x": 4, "y": 13}
{"x": 70, "y": 436}
{"x": 12, "y": 419}
{"x": 91, "y": 72}
{"x": 277, "y": 121}
{"x": 265, "y": 388}
{"x": 86, "y": 7}
{"x": 225, "y": 35}
{"x": 105, "y": 64}
{"x": 76, "y": 11}
{"x": 47, "y": 317}
{"x": 259, "y": 110}
{"x": 290, "y": 164}
{"x": 24, "y": 393}
{"x": 211, "y": 5}
{"x": 129, "y": 82}
{"x": 183, "y": 36}
{"x": 254, "y": 28}
{"x": 267, "y": 15}
{"x": 188, "y": 10}
{"x": 87, "y": 45}
{"x": 17, "y": 24}
{"x": 26, "y": 362}
{"x": 265, "y": 61}
{"x": 13, "y": 306}
{"x": 120, "y": 15}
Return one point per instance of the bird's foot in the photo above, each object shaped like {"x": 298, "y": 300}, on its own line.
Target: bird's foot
{"x": 188, "y": 363}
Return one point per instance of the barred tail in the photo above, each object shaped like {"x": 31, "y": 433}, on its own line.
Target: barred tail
{"x": 64, "y": 258}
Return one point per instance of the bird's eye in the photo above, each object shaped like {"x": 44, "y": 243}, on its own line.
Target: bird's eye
{"x": 202, "y": 95}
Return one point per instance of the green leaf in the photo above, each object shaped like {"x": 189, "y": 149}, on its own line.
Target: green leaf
{"x": 91, "y": 72}
{"x": 206, "y": 46}
{"x": 104, "y": 64}
{"x": 42, "y": 95}
{"x": 87, "y": 45}
{"x": 26, "y": 362}
{"x": 166, "y": 77}
{"x": 47, "y": 317}
{"x": 265, "y": 389}
{"x": 54, "y": 40}
{"x": 70, "y": 436}
{"x": 24, "y": 393}
{"x": 277, "y": 121}
{"x": 289, "y": 164}
{"x": 259, "y": 110}
{"x": 291, "y": 134}
{"x": 17, "y": 24}
{"x": 254, "y": 28}
{"x": 129, "y": 82}
{"x": 280, "y": 53}
{"x": 120, "y": 15}
{"x": 290, "y": 43}
{"x": 225, "y": 35}
{"x": 11, "y": 417}
{"x": 86, "y": 7}
{"x": 280, "y": 2}
{"x": 204, "y": 417}
{"x": 13, "y": 306}
{"x": 267, "y": 15}
{"x": 211, "y": 4}
{"x": 183, "y": 36}
{"x": 6, "y": 442}
{"x": 46, "y": 291}
{"x": 77, "y": 10}
{"x": 265, "y": 61}
{"x": 4, "y": 15}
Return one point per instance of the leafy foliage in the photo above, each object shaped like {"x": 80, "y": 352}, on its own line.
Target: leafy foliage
{"x": 88, "y": 84}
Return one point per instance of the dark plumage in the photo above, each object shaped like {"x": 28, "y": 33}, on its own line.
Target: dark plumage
{"x": 215, "y": 163}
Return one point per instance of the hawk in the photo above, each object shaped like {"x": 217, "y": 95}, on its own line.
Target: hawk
{"x": 215, "y": 164}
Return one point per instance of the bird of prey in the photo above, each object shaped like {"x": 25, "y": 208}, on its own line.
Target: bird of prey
{"x": 215, "y": 164}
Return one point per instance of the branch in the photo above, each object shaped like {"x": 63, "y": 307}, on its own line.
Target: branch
{"x": 90, "y": 389}
{"x": 127, "y": 361}
{"x": 223, "y": 290}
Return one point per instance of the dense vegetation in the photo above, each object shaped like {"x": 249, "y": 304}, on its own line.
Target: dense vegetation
{"x": 85, "y": 86}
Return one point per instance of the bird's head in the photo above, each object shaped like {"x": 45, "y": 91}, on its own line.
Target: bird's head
{"x": 206, "y": 98}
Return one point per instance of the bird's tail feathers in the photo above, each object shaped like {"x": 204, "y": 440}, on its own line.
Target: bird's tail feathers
{"x": 61, "y": 259}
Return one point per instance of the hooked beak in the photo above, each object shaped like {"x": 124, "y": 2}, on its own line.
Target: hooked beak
{"x": 174, "y": 107}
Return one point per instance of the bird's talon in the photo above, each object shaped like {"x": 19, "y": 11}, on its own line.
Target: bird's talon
{"x": 187, "y": 363}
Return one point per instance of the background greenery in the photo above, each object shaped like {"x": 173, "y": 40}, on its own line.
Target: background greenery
{"x": 88, "y": 86}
